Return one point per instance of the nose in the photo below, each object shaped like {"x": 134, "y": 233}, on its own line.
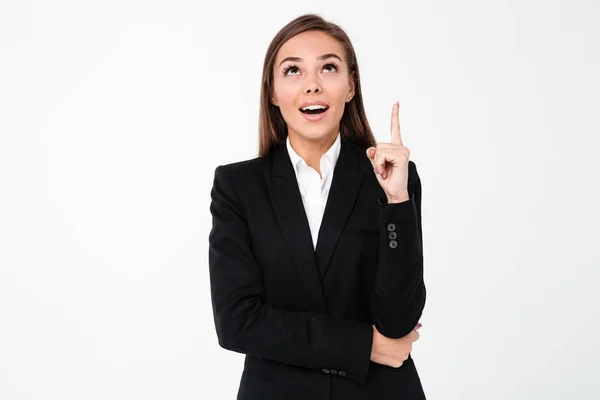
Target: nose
{"x": 313, "y": 87}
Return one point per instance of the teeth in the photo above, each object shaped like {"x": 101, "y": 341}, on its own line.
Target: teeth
{"x": 314, "y": 107}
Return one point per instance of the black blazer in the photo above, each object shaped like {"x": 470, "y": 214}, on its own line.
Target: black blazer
{"x": 304, "y": 317}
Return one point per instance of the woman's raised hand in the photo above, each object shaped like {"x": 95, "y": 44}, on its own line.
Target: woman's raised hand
{"x": 390, "y": 162}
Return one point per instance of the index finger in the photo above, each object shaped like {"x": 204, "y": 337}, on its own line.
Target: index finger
{"x": 396, "y": 138}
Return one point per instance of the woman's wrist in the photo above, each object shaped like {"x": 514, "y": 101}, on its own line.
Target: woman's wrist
{"x": 398, "y": 199}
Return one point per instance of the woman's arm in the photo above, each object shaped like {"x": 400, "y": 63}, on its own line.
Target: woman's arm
{"x": 398, "y": 295}
{"x": 246, "y": 324}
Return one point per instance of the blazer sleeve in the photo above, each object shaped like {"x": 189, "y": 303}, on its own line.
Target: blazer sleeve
{"x": 398, "y": 294}
{"x": 245, "y": 323}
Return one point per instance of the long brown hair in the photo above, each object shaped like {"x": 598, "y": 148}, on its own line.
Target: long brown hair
{"x": 272, "y": 128}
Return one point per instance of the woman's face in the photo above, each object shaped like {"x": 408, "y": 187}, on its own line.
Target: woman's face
{"x": 310, "y": 69}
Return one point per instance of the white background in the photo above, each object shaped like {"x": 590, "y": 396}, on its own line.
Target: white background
{"x": 114, "y": 114}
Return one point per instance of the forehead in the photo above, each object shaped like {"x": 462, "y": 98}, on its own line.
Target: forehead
{"x": 310, "y": 45}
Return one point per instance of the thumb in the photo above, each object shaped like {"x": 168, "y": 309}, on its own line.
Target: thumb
{"x": 371, "y": 152}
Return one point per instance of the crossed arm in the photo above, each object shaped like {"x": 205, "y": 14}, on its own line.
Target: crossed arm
{"x": 245, "y": 323}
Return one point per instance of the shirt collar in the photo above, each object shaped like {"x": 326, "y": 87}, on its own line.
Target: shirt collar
{"x": 332, "y": 153}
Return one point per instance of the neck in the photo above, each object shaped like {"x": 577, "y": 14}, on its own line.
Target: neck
{"x": 311, "y": 151}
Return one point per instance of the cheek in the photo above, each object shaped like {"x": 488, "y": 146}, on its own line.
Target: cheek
{"x": 343, "y": 89}
{"x": 337, "y": 89}
{"x": 286, "y": 96}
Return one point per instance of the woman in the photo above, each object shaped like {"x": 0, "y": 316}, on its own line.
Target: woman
{"x": 316, "y": 261}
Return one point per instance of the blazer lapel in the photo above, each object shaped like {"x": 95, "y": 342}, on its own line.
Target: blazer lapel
{"x": 290, "y": 212}
{"x": 345, "y": 186}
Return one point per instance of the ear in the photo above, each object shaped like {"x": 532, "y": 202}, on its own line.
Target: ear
{"x": 352, "y": 87}
{"x": 274, "y": 100}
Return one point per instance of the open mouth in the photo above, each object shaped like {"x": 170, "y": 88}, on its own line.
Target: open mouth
{"x": 312, "y": 110}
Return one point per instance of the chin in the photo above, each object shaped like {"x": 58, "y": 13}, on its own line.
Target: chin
{"x": 316, "y": 131}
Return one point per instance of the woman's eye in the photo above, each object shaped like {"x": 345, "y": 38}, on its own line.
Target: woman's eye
{"x": 291, "y": 71}
{"x": 330, "y": 67}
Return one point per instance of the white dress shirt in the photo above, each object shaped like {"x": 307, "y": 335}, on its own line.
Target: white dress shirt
{"x": 313, "y": 188}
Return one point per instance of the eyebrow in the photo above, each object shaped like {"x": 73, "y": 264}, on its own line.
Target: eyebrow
{"x": 320, "y": 58}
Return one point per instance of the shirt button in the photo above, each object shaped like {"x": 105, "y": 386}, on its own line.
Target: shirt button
{"x": 393, "y": 244}
{"x": 333, "y": 372}
{"x": 391, "y": 227}
{"x": 392, "y": 235}
{"x": 325, "y": 370}
{"x": 342, "y": 373}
